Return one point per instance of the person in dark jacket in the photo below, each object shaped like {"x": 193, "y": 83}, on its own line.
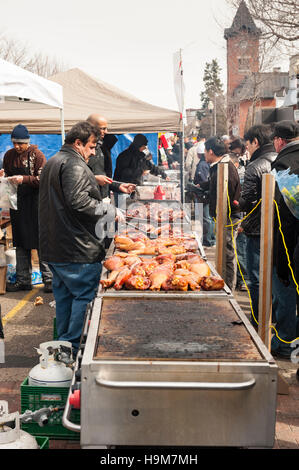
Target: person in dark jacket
{"x": 23, "y": 165}
{"x": 202, "y": 174}
{"x": 70, "y": 211}
{"x": 263, "y": 154}
{"x": 237, "y": 152}
{"x": 101, "y": 163}
{"x": 215, "y": 153}
{"x": 286, "y": 141}
{"x": 132, "y": 164}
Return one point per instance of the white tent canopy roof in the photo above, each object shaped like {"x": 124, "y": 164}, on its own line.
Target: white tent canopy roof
{"x": 17, "y": 83}
{"x": 84, "y": 95}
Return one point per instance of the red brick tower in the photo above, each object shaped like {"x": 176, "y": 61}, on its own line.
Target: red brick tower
{"x": 242, "y": 59}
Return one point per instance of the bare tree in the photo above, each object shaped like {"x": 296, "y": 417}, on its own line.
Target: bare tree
{"x": 19, "y": 54}
{"x": 279, "y": 19}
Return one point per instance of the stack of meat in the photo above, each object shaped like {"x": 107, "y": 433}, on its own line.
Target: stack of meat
{"x": 155, "y": 213}
{"x": 139, "y": 244}
{"x": 165, "y": 230}
{"x": 173, "y": 268}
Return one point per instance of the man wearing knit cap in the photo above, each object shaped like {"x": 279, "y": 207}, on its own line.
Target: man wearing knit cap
{"x": 132, "y": 163}
{"x": 23, "y": 165}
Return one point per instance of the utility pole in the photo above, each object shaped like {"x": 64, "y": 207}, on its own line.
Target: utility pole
{"x": 215, "y": 125}
{"x": 210, "y": 108}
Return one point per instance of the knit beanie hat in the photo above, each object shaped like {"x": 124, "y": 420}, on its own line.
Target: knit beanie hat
{"x": 286, "y": 130}
{"x": 140, "y": 140}
{"x": 20, "y": 134}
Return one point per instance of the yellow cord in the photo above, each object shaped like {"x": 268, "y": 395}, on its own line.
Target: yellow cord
{"x": 235, "y": 249}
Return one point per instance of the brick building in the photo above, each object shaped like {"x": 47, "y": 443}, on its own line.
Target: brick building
{"x": 249, "y": 91}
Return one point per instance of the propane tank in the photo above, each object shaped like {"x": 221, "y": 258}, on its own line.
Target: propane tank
{"x": 13, "y": 438}
{"x": 159, "y": 192}
{"x": 51, "y": 371}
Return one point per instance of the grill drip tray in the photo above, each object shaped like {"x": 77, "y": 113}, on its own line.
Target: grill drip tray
{"x": 186, "y": 330}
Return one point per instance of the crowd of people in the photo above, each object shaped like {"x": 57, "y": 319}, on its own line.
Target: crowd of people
{"x": 263, "y": 149}
{"x": 62, "y": 202}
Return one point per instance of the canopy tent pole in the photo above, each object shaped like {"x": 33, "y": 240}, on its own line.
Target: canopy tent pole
{"x": 62, "y": 125}
{"x": 182, "y": 173}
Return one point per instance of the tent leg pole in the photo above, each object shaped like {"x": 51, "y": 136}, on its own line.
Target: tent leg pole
{"x": 62, "y": 126}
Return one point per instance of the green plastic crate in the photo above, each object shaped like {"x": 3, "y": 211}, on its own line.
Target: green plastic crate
{"x": 33, "y": 398}
{"x": 42, "y": 441}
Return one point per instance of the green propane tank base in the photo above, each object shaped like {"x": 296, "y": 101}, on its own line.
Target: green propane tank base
{"x": 33, "y": 398}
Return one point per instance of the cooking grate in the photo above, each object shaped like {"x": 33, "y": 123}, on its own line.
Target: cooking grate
{"x": 157, "y": 329}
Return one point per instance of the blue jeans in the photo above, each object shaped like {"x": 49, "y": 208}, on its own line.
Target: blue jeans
{"x": 253, "y": 267}
{"x": 74, "y": 286}
{"x": 231, "y": 262}
{"x": 285, "y": 302}
{"x": 242, "y": 258}
{"x": 209, "y": 238}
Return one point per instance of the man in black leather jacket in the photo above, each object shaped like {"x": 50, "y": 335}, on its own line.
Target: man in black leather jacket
{"x": 70, "y": 207}
{"x": 260, "y": 146}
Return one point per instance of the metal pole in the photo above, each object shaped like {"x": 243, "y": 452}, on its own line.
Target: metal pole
{"x": 266, "y": 259}
{"x": 62, "y": 125}
{"x": 215, "y": 122}
{"x": 221, "y": 218}
{"x": 182, "y": 173}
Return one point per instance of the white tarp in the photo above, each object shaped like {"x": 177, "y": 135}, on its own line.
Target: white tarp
{"x": 16, "y": 82}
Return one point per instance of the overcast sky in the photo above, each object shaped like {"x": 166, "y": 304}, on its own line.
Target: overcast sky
{"x": 128, "y": 43}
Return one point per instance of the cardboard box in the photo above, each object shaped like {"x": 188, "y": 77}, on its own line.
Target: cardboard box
{"x": 3, "y": 270}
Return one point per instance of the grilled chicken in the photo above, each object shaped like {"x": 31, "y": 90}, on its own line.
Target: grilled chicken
{"x": 122, "y": 276}
{"x": 166, "y": 258}
{"x": 200, "y": 268}
{"x": 137, "y": 282}
{"x": 106, "y": 283}
{"x": 114, "y": 263}
{"x": 159, "y": 275}
{"x": 131, "y": 260}
{"x": 174, "y": 267}
{"x": 149, "y": 266}
{"x": 212, "y": 283}
{"x": 192, "y": 278}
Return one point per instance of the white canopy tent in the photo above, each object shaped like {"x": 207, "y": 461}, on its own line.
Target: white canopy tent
{"x": 23, "y": 94}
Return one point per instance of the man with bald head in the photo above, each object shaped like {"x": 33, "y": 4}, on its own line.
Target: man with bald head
{"x": 101, "y": 163}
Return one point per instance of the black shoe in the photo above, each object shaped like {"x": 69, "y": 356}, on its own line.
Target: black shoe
{"x": 281, "y": 354}
{"x": 17, "y": 286}
{"x": 48, "y": 287}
